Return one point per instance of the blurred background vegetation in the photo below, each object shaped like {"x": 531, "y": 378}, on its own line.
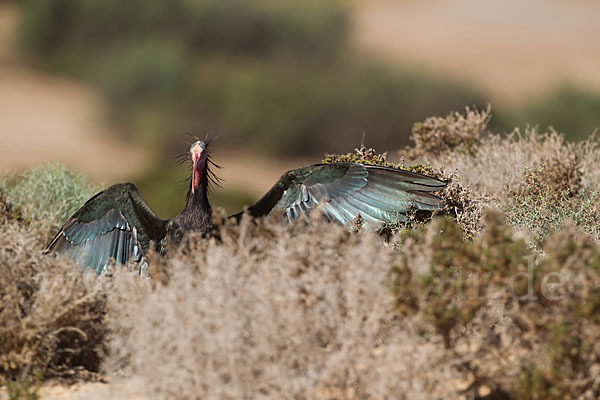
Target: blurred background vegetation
{"x": 278, "y": 76}
{"x": 275, "y": 79}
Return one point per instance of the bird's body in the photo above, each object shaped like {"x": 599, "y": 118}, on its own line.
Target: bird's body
{"x": 197, "y": 213}
{"x": 117, "y": 224}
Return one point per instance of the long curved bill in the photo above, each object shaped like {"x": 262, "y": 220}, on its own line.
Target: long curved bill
{"x": 196, "y": 152}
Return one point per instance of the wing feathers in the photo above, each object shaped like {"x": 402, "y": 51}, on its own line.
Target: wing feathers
{"x": 392, "y": 184}
{"x": 81, "y": 231}
{"x": 369, "y": 207}
{"x": 356, "y": 208}
{"x": 378, "y": 201}
{"x": 318, "y": 193}
{"x": 333, "y": 213}
{"x": 110, "y": 227}
{"x": 345, "y": 190}
{"x": 99, "y": 251}
{"x": 426, "y": 182}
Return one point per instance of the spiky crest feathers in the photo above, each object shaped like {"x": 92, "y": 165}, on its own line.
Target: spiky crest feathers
{"x": 213, "y": 179}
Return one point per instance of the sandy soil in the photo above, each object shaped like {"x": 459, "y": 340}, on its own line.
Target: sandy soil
{"x": 86, "y": 391}
{"x": 512, "y": 49}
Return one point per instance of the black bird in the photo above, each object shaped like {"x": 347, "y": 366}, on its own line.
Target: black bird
{"x": 117, "y": 224}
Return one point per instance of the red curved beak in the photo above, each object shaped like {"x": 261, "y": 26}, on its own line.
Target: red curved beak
{"x": 196, "y": 152}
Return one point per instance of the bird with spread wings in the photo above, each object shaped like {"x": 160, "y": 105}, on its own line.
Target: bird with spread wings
{"x": 116, "y": 225}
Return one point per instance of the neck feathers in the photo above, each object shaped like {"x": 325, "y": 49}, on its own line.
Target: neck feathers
{"x": 197, "y": 215}
{"x": 197, "y": 201}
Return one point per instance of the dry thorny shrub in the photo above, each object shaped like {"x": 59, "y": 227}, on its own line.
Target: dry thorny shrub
{"x": 274, "y": 312}
{"x": 523, "y": 327}
{"x": 544, "y": 204}
{"x": 51, "y": 315}
{"x": 539, "y": 179}
{"x": 455, "y": 132}
{"x": 269, "y": 311}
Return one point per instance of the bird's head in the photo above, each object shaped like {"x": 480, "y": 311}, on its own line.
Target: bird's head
{"x": 199, "y": 155}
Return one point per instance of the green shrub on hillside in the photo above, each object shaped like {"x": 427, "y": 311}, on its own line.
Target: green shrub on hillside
{"x": 74, "y": 34}
{"x": 46, "y": 196}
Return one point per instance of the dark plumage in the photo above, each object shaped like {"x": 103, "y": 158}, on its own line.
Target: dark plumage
{"x": 345, "y": 190}
{"x": 117, "y": 224}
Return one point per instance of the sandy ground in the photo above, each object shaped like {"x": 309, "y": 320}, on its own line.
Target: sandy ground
{"x": 512, "y": 49}
{"x": 86, "y": 391}
{"x": 51, "y": 120}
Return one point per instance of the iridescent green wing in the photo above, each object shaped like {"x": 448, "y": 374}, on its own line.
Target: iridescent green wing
{"x": 115, "y": 225}
{"x": 343, "y": 191}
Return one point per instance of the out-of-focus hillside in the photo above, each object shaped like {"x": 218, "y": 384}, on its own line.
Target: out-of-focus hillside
{"x": 75, "y": 81}
{"x": 280, "y": 78}
{"x": 536, "y": 61}
{"x": 46, "y": 118}
{"x": 513, "y": 50}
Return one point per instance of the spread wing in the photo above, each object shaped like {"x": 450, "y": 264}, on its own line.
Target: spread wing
{"x": 114, "y": 225}
{"x": 342, "y": 191}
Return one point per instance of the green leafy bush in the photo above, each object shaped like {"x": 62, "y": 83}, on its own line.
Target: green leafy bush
{"x": 46, "y": 196}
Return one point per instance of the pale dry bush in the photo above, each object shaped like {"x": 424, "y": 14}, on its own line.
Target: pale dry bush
{"x": 498, "y": 165}
{"x": 51, "y": 314}
{"x": 274, "y": 312}
{"x": 270, "y": 311}
{"x": 494, "y": 171}
{"x": 517, "y": 337}
{"x": 455, "y": 132}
